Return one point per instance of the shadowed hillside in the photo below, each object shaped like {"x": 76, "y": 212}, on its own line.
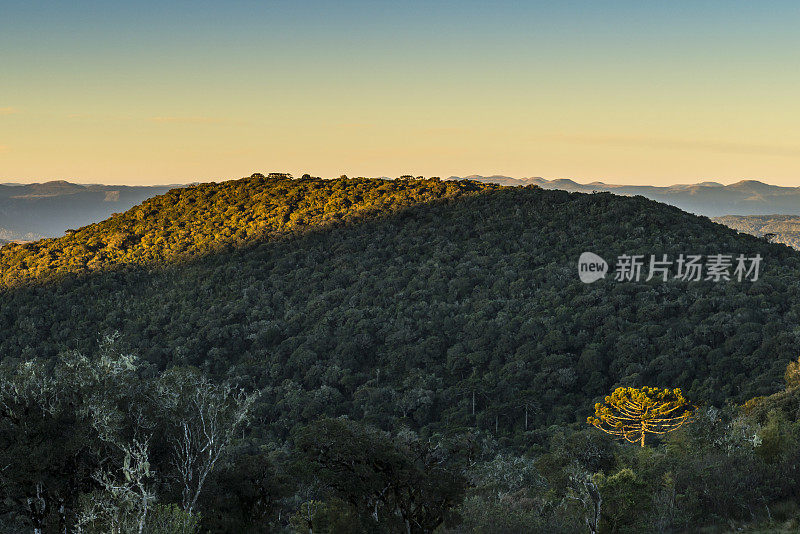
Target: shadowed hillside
{"x": 445, "y": 292}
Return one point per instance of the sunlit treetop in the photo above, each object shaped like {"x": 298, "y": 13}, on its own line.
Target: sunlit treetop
{"x": 215, "y": 217}
{"x": 632, "y": 413}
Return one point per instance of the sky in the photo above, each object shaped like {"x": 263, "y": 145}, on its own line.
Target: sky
{"x": 644, "y": 92}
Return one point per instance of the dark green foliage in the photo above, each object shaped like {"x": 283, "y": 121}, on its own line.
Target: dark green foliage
{"x": 416, "y": 314}
{"x": 244, "y": 492}
{"x": 447, "y": 323}
{"x": 397, "y": 483}
{"x": 56, "y": 419}
{"x": 170, "y": 519}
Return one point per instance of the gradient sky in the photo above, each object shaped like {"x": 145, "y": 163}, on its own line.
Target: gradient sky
{"x": 625, "y": 92}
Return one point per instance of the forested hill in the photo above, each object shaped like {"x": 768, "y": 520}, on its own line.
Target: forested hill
{"x": 393, "y": 300}
{"x": 188, "y": 222}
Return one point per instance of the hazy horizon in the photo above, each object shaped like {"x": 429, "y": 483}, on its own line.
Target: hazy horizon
{"x": 630, "y": 94}
{"x": 579, "y": 181}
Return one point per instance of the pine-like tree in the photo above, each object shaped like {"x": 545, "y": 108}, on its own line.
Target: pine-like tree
{"x": 632, "y": 413}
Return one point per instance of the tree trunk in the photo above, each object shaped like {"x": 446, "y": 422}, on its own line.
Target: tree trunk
{"x": 597, "y": 501}
{"x": 143, "y": 515}
{"x": 62, "y": 516}
{"x": 473, "y": 404}
{"x": 37, "y": 507}
{"x": 642, "y": 438}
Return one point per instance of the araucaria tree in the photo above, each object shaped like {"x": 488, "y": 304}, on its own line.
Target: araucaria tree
{"x": 632, "y": 413}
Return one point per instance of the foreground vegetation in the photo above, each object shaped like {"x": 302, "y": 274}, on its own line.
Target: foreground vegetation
{"x": 402, "y": 356}
{"x": 93, "y": 444}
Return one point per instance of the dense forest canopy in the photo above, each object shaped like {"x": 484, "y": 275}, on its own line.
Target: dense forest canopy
{"x": 389, "y": 356}
{"x": 441, "y": 303}
{"x": 210, "y": 217}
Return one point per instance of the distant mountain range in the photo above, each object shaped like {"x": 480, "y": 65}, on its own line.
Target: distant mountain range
{"x": 33, "y": 211}
{"x": 712, "y": 199}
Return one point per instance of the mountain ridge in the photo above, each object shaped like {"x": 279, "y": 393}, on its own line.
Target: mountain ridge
{"x": 38, "y": 210}
{"x": 48, "y": 209}
{"x": 711, "y": 199}
{"x": 168, "y": 227}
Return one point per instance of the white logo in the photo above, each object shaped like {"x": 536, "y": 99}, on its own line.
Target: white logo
{"x": 591, "y": 267}
{"x": 686, "y": 268}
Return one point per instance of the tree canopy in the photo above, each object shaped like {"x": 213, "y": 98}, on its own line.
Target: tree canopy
{"x": 444, "y": 304}
{"x": 440, "y": 324}
{"x": 633, "y": 413}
